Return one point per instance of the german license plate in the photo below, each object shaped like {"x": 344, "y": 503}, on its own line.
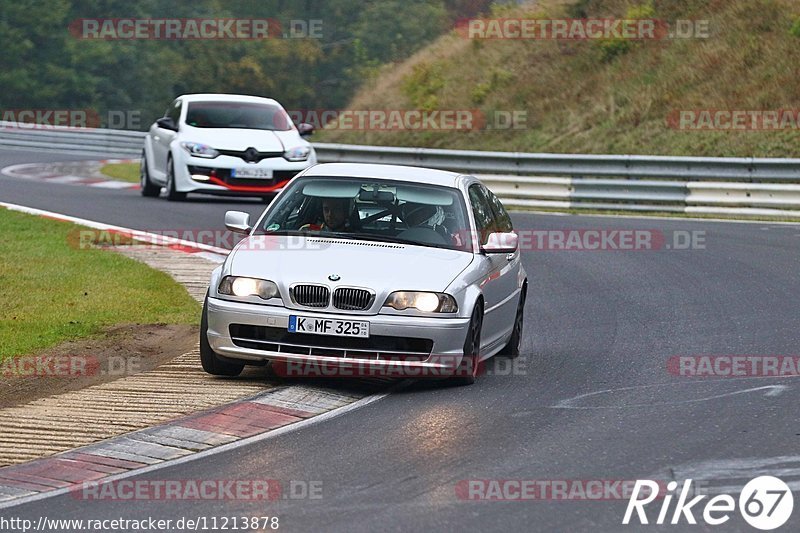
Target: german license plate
{"x": 328, "y": 326}
{"x": 254, "y": 172}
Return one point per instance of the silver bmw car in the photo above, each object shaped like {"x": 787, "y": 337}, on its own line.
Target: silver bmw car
{"x": 375, "y": 270}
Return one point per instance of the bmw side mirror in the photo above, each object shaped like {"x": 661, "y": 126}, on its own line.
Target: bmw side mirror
{"x": 501, "y": 243}
{"x": 167, "y": 123}
{"x": 305, "y": 129}
{"x": 238, "y": 222}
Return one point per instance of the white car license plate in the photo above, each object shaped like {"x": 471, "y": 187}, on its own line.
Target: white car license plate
{"x": 255, "y": 172}
{"x": 328, "y": 326}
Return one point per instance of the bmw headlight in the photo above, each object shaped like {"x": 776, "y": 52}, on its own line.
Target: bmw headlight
{"x": 199, "y": 150}
{"x": 427, "y": 302}
{"x": 298, "y": 153}
{"x": 240, "y": 286}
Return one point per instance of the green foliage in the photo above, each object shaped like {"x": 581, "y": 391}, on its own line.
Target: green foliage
{"x": 611, "y": 48}
{"x": 794, "y": 31}
{"x": 616, "y": 46}
{"x": 498, "y": 78}
{"x": 480, "y": 92}
{"x": 579, "y": 10}
{"x": 422, "y": 86}
{"x": 644, "y": 11}
{"x": 392, "y": 30}
{"x": 45, "y": 66}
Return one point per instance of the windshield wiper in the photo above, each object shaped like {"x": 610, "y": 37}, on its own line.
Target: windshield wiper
{"x": 383, "y": 238}
{"x": 284, "y": 232}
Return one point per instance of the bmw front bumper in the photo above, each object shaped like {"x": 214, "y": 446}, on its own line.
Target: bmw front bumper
{"x": 446, "y": 351}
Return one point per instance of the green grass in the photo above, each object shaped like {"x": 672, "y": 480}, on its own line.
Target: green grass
{"x": 52, "y": 291}
{"x": 122, "y": 171}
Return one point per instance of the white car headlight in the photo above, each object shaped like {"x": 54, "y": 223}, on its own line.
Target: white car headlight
{"x": 427, "y": 302}
{"x": 298, "y": 153}
{"x": 199, "y": 150}
{"x": 240, "y": 286}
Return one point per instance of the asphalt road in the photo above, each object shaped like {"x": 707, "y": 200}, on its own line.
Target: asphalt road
{"x": 603, "y": 323}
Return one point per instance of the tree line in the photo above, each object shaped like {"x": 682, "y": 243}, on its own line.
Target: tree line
{"x": 50, "y": 61}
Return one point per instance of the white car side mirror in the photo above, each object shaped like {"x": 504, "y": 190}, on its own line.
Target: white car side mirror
{"x": 501, "y": 243}
{"x": 238, "y": 222}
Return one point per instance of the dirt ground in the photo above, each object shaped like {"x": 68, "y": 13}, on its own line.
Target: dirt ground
{"x": 116, "y": 353}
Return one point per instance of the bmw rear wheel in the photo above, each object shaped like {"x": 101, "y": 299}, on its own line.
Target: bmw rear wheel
{"x": 512, "y": 349}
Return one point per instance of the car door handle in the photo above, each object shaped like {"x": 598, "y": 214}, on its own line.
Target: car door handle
{"x": 155, "y": 138}
{"x": 510, "y": 257}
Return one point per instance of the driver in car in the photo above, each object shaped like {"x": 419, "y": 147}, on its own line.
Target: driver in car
{"x": 334, "y": 214}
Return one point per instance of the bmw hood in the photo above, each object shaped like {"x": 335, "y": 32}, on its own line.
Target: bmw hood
{"x": 382, "y": 267}
{"x": 240, "y": 140}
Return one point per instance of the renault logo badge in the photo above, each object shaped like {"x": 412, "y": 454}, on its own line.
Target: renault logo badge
{"x": 251, "y": 155}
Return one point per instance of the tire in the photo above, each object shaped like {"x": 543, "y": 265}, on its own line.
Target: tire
{"x": 148, "y": 188}
{"x": 467, "y": 371}
{"x": 512, "y": 349}
{"x": 211, "y": 362}
{"x": 172, "y": 194}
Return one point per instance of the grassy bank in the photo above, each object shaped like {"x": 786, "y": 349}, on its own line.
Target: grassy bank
{"x": 52, "y": 291}
{"x": 608, "y": 96}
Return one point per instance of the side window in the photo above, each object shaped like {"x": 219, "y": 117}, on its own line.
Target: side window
{"x": 502, "y": 218}
{"x": 484, "y": 219}
{"x": 175, "y": 112}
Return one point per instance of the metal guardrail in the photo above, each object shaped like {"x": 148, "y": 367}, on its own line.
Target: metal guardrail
{"x": 80, "y": 141}
{"x": 696, "y": 185}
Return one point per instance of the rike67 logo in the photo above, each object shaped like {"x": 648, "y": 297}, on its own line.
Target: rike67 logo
{"x": 765, "y": 503}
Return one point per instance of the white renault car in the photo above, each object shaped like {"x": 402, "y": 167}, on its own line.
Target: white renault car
{"x": 359, "y": 269}
{"x": 223, "y": 144}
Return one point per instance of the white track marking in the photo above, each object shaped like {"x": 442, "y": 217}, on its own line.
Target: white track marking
{"x": 570, "y": 403}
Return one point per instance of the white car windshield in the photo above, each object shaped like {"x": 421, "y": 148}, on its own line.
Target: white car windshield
{"x": 371, "y": 209}
{"x": 242, "y": 115}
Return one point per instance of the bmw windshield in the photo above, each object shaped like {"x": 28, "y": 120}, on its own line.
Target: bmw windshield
{"x": 370, "y": 209}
